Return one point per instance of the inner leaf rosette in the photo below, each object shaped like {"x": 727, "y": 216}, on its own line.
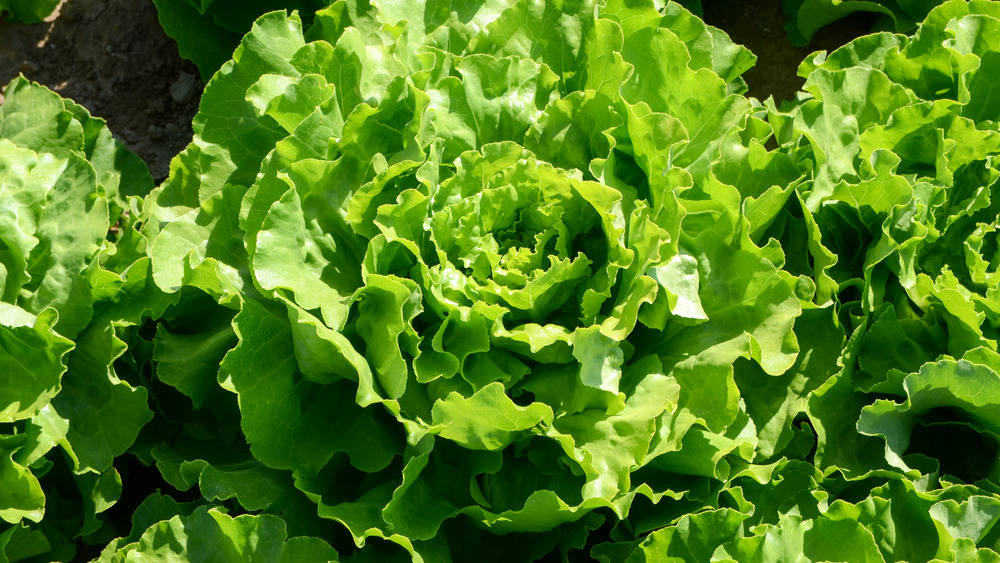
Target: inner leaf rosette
{"x": 529, "y": 242}
{"x": 520, "y": 234}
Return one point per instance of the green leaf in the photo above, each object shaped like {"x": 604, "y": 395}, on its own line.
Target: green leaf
{"x": 315, "y": 415}
{"x": 834, "y": 409}
{"x": 829, "y": 540}
{"x": 697, "y": 98}
{"x": 231, "y": 138}
{"x": 288, "y": 100}
{"x": 203, "y": 248}
{"x": 609, "y": 444}
{"x": 774, "y": 402}
{"x": 70, "y": 230}
{"x": 800, "y": 540}
{"x": 21, "y": 542}
{"x": 564, "y": 27}
{"x": 574, "y": 130}
{"x": 848, "y": 102}
{"x": 694, "y": 538}
{"x": 865, "y": 51}
{"x": 983, "y": 88}
{"x": 889, "y": 349}
{"x": 254, "y": 487}
{"x": 750, "y": 313}
{"x": 209, "y": 535}
{"x": 105, "y": 413}
{"x": 31, "y": 354}
{"x": 296, "y": 232}
{"x": 808, "y": 16}
{"x": 496, "y": 99}
{"x": 488, "y": 420}
{"x": 23, "y": 495}
{"x": 600, "y": 359}
{"x": 386, "y": 308}
{"x": 967, "y": 387}
{"x": 970, "y": 519}
{"x": 931, "y": 139}
{"x": 198, "y": 38}
{"x": 190, "y": 362}
{"x": 36, "y": 118}
{"x": 710, "y": 47}
{"x": 99, "y": 493}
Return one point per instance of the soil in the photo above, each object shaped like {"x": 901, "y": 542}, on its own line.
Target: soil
{"x": 759, "y": 25}
{"x": 113, "y": 57}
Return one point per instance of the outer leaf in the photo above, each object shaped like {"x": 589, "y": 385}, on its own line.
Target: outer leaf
{"x": 105, "y": 413}
{"x": 694, "y": 538}
{"x": 209, "y": 535}
{"x": 960, "y": 384}
{"x": 23, "y": 496}
{"x": 488, "y": 420}
{"x": 318, "y": 412}
{"x": 31, "y": 356}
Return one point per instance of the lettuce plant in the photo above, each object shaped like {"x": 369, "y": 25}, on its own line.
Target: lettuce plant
{"x": 515, "y": 280}
{"x": 475, "y": 247}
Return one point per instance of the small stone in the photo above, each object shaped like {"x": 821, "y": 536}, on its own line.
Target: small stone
{"x": 183, "y": 88}
{"x": 155, "y": 105}
{"x": 171, "y": 130}
{"x": 155, "y": 133}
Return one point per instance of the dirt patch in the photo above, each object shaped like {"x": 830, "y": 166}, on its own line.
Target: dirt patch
{"x": 112, "y": 57}
{"x": 759, "y": 25}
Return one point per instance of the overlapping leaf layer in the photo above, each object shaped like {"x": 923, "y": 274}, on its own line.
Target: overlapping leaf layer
{"x": 27, "y": 11}
{"x": 513, "y": 280}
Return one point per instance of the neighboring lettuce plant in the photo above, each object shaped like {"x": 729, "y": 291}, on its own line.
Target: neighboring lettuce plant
{"x": 897, "y": 228}
{"x": 509, "y": 281}
{"x": 79, "y": 414}
{"x": 74, "y": 283}
{"x": 207, "y": 31}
